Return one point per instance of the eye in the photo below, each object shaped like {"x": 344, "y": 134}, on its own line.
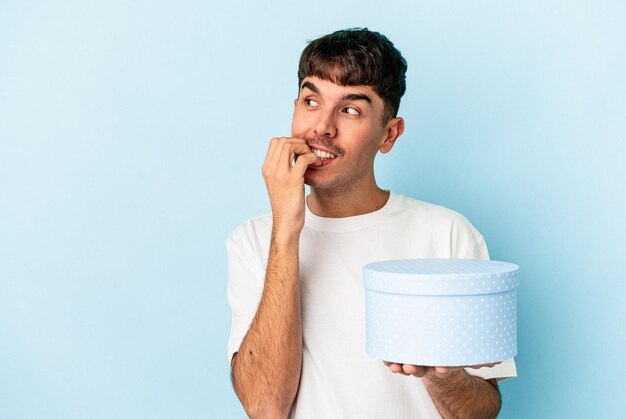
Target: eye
{"x": 310, "y": 102}
{"x": 351, "y": 111}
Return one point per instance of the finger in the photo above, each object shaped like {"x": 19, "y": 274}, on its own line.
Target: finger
{"x": 272, "y": 158}
{"x": 445, "y": 371}
{"x": 442, "y": 370}
{"x": 273, "y": 153}
{"x": 317, "y": 162}
{"x": 396, "y": 368}
{"x": 275, "y": 160}
{"x": 420, "y": 371}
{"x": 493, "y": 364}
{"x": 270, "y": 150}
{"x": 288, "y": 151}
{"x": 268, "y": 157}
{"x": 303, "y": 162}
{"x": 410, "y": 369}
{"x": 483, "y": 366}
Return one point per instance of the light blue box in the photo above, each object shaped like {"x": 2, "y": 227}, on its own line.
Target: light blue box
{"x": 441, "y": 312}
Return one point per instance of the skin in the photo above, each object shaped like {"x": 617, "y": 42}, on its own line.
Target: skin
{"x": 347, "y": 122}
{"x": 352, "y": 130}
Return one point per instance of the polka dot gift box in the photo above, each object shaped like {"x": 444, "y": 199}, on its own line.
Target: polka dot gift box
{"x": 441, "y": 312}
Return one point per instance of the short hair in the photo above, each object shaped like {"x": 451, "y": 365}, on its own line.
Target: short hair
{"x": 354, "y": 57}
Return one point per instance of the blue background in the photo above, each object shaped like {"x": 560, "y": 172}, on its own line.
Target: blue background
{"x": 131, "y": 141}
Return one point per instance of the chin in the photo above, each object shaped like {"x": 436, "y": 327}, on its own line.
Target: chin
{"x": 316, "y": 181}
{"x": 321, "y": 184}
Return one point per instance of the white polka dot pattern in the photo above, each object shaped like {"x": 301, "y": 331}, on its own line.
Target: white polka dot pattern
{"x": 445, "y": 324}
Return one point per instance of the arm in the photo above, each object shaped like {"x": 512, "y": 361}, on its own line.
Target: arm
{"x": 266, "y": 370}
{"x": 456, "y": 393}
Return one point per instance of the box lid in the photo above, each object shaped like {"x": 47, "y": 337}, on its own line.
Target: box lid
{"x": 440, "y": 276}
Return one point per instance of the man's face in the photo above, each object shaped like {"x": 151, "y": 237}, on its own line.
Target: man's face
{"x": 344, "y": 122}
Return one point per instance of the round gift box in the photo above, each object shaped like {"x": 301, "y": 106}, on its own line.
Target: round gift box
{"x": 441, "y": 312}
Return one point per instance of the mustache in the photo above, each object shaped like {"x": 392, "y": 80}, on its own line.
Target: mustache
{"x": 326, "y": 143}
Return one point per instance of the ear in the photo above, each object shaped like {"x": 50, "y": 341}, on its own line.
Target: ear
{"x": 393, "y": 129}
{"x": 295, "y": 102}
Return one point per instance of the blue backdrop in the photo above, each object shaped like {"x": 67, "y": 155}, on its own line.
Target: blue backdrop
{"x": 131, "y": 140}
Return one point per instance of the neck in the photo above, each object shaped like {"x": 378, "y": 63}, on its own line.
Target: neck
{"x": 334, "y": 203}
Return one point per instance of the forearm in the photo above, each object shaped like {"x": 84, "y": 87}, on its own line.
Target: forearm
{"x": 266, "y": 370}
{"x": 461, "y": 395}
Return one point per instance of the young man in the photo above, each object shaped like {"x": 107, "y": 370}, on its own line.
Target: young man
{"x": 297, "y": 344}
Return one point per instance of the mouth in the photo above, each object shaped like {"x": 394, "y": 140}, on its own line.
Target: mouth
{"x": 325, "y": 156}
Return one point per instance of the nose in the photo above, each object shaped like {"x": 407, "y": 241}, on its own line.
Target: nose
{"x": 325, "y": 125}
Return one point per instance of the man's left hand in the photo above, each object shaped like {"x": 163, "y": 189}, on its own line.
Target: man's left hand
{"x": 421, "y": 371}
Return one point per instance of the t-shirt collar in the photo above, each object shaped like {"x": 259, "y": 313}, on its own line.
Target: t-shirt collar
{"x": 355, "y": 222}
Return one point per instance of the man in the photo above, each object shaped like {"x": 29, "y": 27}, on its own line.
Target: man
{"x": 297, "y": 345}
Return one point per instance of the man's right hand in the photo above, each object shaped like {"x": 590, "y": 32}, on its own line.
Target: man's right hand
{"x": 285, "y": 183}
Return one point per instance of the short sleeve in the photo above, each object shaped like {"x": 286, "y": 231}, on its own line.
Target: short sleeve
{"x": 500, "y": 372}
{"x": 466, "y": 241}
{"x": 246, "y": 275}
{"x": 478, "y": 249}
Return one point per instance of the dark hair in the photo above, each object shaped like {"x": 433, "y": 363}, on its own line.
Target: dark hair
{"x": 354, "y": 57}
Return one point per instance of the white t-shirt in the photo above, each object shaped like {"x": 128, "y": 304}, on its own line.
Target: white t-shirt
{"x": 339, "y": 380}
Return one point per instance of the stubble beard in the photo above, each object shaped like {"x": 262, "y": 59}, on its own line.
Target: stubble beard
{"x": 336, "y": 185}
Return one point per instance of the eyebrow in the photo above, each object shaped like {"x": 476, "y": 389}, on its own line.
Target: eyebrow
{"x": 347, "y": 96}
{"x": 357, "y": 96}
{"x": 310, "y": 86}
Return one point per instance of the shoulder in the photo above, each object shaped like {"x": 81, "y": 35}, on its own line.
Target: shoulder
{"x": 250, "y": 231}
{"x": 445, "y": 226}
{"x": 431, "y": 213}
